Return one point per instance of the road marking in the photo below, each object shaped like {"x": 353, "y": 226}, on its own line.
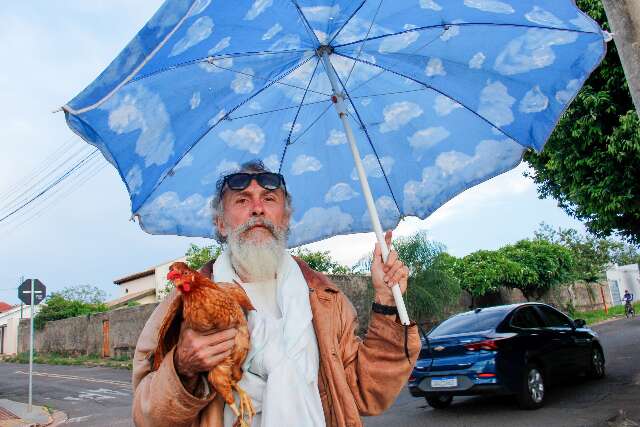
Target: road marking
{"x": 99, "y": 394}
{"x": 73, "y": 377}
{"x": 78, "y": 419}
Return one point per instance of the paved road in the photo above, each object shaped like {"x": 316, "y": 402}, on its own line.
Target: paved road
{"x": 89, "y": 396}
{"x": 102, "y": 396}
{"x": 577, "y": 403}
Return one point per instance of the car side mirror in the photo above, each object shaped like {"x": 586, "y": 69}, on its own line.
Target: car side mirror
{"x": 580, "y": 323}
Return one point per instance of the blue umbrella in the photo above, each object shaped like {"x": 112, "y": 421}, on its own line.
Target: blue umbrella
{"x": 432, "y": 97}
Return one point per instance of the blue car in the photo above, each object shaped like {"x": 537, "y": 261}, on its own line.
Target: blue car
{"x": 510, "y": 349}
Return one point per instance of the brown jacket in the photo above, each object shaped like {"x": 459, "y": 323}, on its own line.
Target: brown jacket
{"x": 357, "y": 377}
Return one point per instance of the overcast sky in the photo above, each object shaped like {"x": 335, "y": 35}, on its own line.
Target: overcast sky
{"x": 51, "y": 51}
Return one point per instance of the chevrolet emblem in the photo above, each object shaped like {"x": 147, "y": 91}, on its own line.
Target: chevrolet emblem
{"x": 438, "y": 348}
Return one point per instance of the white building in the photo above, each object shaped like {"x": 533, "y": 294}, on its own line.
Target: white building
{"x": 9, "y": 321}
{"x": 144, "y": 287}
{"x": 621, "y": 277}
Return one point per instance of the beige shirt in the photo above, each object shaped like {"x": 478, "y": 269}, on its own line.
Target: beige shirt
{"x": 263, "y": 296}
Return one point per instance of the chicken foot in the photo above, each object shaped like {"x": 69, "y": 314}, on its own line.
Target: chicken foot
{"x": 246, "y": 408}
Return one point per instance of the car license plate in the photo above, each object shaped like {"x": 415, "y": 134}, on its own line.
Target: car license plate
{"x": 442, "y": 382}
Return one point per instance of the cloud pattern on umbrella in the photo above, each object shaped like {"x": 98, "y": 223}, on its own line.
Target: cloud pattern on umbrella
{"x": 443, "y": 95}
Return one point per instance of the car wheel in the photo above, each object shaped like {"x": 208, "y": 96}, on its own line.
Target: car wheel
{"x": 596, "y": 370}
{"x": 439, "y": 401}
{"x": 532, "y": 393}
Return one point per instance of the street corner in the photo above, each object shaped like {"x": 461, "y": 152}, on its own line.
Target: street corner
{"x": 14, "y": 414}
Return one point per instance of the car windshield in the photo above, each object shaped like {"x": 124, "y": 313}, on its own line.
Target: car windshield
{"x": 469, "y": 322}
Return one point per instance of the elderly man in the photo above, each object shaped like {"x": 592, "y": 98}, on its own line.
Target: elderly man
{"x": 306, "y": 366}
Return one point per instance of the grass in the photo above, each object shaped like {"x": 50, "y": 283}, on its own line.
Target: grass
{"x": 121, "y": 362}
{"x": 596, "y": 316}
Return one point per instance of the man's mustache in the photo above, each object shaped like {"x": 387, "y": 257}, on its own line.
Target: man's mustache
{"x": 253, "y": 222}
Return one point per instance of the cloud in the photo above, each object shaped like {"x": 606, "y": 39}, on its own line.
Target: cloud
{"x": 399, "y": 42}
{"x": 220, "y": 46}
{"x": 340, "y": 193}
{"x": 583, "y": 23}
{"x": 566, "y": 95}
{"x": 138, "y": 109}
{"x": 336, "y": 137}
{"x": 430, "y": 4}
{"x": 388, "y": 213}
{"x": 532, "y": 50}
{"x": 490, "y": 6}
{"x": 224, "y": 167}
{"x": 372, "y": 168}
{"x": 477, "y": 60}
{"x": 304, "y": 163}
{"x": 320, "y": 13}
{"x": 195, "y": 100}
{"x": 399, "y": 114}
{"x": 321, "y": 35}
{"x": 444, "y": 105}
{"x": 453, "y": 172}
{"x": 272, "y": 163}
{"x": 167, "y": 213}
{"x": 216, "y": 65}
{"x": 257, "y": 8}
{"x": 254, "y": 105}
{"x": 451, "y": 31}
{"x": 287, "y": 127}
{"x": 186, "y": 161}
{"x": 357, "y": 28}
{"x": 428, "y": 138}
{"x": 272, "y": 31}
{"x": 200, "y": 30}
{"x": 534, "y": 101}
{"x": 287, "y": 42}
{"x": 215, "y": 119}
{"x": 134, "y": 179}
{"x": 199, "y": 7}
{"x": 365, "y": 102}
{"x": 249, "y": 138}
{"x": 317, "y": 223}
{"x": 435, "y": 68}
{"x": 495, "y": 104}
{"x": 537, "y": 15}
{"x": 243, "y": 83}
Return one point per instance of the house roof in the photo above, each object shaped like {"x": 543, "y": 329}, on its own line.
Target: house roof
{"x": 135, "y": 276}
{"x": 4, "y": 306}
{"x": 119, "y": 302}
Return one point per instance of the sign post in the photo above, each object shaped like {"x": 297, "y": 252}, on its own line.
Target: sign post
{"x": 31, "y": 292}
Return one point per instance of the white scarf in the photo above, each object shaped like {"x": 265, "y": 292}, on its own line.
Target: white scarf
{"x": 281, "y": 368}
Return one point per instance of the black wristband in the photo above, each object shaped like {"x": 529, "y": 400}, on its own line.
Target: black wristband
{"x": 384, "y": 309}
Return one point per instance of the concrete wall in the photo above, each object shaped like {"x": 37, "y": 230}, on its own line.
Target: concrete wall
{"x": 623, "y": 277}
{"x": 84, "y": 334}
{"x": 10, "y": 320}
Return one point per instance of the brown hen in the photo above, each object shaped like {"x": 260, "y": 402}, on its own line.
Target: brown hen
{"x": 205, "y": 306}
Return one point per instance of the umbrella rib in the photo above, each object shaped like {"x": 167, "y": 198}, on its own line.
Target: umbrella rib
{"x": 312, "y": 124}
{"x": 464, "y": 24}
{"x": 275, "y": 110}
{"x": 307, "y": 25}
{"x": 375, "y": 152}
{"x": 293, "y": 123}
{"x": 347, "y": 21}
{"x": 346, "y": 82}
{"x": 215, "y": 57}
{"x": 267, "y": 86}
{"x": 434, "y": 89}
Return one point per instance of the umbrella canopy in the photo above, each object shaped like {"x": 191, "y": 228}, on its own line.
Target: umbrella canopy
{"x": 441, "y": 95}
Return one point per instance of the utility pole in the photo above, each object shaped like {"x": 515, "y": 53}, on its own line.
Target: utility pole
{"x": 624, "y": 19}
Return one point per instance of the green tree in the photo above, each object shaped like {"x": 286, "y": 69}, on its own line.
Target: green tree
{"x": 433, "y": 288}
{"x": 320, "y": 261}
{"x": 58, "y": 307}
{"x": 484, "y": 272}
{"x": 591, "y": 254}
{"x": 84, "y": 293}
{"x": 197, "y": 256}
{"x": 543, "y": 264}
{"x": 589, "y": 165}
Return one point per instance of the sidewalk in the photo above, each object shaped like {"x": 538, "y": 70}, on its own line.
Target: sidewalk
{"x": 15, "y": 414}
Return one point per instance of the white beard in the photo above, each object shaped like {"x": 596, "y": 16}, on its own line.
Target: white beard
{"x": 255, "y": 260}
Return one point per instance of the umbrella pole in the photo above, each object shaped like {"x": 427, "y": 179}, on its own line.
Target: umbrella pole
{"x": 338, "y": 102}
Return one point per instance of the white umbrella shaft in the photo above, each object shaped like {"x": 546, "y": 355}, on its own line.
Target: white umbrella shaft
{"x": 366, "y": 191}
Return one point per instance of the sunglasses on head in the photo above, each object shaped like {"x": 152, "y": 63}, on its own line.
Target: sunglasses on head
{"x": 267, "y": 180}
